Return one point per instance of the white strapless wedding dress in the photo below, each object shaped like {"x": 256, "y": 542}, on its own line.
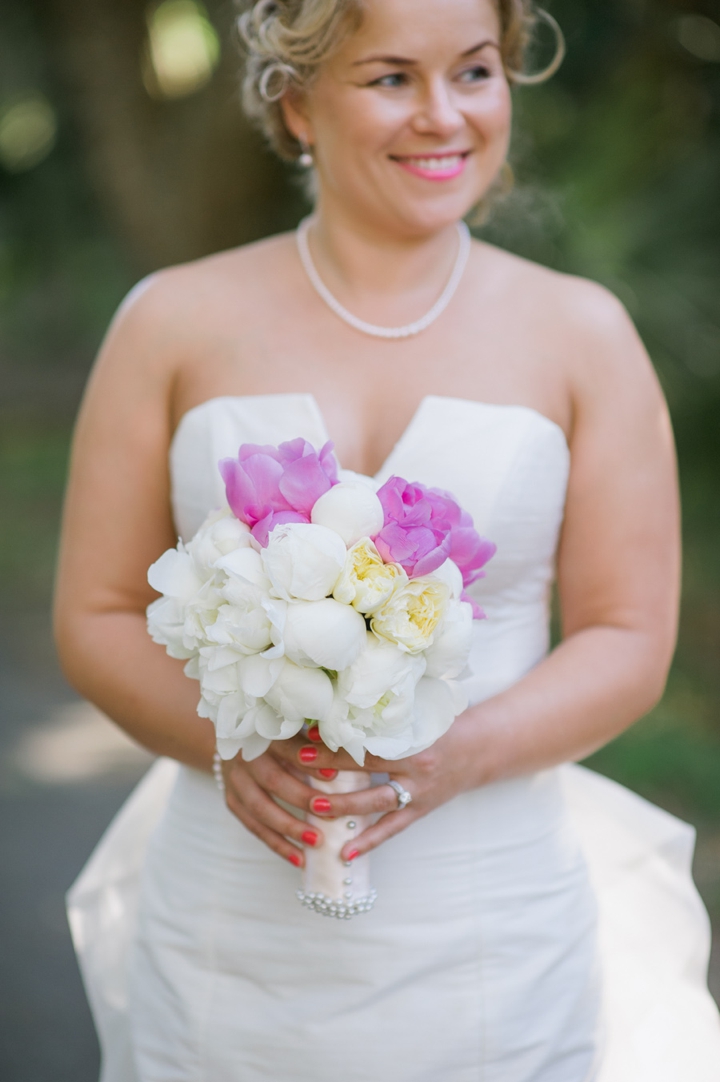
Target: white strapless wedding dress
{"x": 544, "y": 929}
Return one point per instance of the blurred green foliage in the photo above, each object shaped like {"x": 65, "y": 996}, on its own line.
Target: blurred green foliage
{"x": 618, "y": 174}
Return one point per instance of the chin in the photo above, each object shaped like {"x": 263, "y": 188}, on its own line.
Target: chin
{"x": 431, "y": 211}
{"x": 423, "y": 216}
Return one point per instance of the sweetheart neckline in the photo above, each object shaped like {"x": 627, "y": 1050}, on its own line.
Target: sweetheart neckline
{"x": 315, "y": 406}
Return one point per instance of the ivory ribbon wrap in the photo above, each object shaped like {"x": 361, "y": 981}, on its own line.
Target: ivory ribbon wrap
{"x": 332, "y": 886}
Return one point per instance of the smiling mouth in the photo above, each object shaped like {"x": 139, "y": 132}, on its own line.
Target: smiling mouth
{"x": 434, "y": 166}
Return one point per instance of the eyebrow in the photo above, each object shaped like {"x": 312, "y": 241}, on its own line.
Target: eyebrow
{"x": 401, "y": 61}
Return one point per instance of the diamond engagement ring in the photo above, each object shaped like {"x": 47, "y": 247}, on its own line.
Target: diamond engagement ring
{"x": 403, "y": 797}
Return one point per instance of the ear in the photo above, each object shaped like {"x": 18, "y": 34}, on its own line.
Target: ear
{"x": 293, "y": 106}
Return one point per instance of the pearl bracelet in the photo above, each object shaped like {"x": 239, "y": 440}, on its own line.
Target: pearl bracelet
{"x": 217, "y": 772}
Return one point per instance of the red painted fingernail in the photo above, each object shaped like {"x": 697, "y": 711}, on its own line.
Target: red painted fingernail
{"x": 314, "y": 735}
{"x": 321, "y": 804}
{"x": 352, "y": 854}
{"x": 295, "y": 859}
{"x": 327, "y": 772}
{"x": 310, "y": 837}
{"x": 308, "y": 755}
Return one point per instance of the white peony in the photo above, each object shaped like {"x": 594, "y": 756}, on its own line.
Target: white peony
{"x": 351, "y": 509}
{"x": 257, "y": 674}
{"x": 451, "y": 575}
{"x": 323, "y": 633}
{"x": 245, "y": 565}
{"x": 245, "y": 626}
{"x": 303, "y": 561}
{"x": 366, "y": 581}
{"x": 299, "y": 694}
{"x": 178, "y": 620}
{"x": 437, "y": 704}
{"x": 379, "y": 669}
{"x": 244, "y": 621}
{"x": 450, "y": 649}
{"x": 250, "y": 731}
{"x": 217, "y": 685}
{"x": 411, "y": 615}
{"x": 220, "y": 534}
{"x": 338, "y": 730}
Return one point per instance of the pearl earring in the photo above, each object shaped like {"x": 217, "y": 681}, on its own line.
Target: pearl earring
{"x": 306, "y": 158}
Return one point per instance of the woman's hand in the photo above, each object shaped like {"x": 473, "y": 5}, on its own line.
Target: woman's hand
{"x": 451, "y": 766}
{"x": 251, "y": 790}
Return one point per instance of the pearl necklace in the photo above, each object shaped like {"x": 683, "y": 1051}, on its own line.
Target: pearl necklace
{"x": 409, "y": 329}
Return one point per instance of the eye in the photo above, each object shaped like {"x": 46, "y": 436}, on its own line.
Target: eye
{"x": 476, "y": 74}
{"x": 397, "y": 78}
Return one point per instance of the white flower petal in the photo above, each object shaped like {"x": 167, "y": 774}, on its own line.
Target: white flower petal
{"x": 166, "y": 626}
{"x": 451, "y": 575}
{"x": 229, "y": 747}
{"x": 450, "y": 649}
{"x": 245, "y": 564}
{"x": 338, "y": 731}
{"x": 257, "y": 674}
{"x": 351, "y": 509}
{"x": 230, "y": 714}
{"x": 175, "y": 575}
{"x": 220, "y": 534}
{"x": 412, "y": 614}
{"x": 301, "y": 694}
{"x": 366, "y": 581}
{"x": 303, "y": 561}
{"x": 381, "y": 667}
{"x": 252, "y": 747}
{"x": 266, "y": 722}
{"x": 192, "y": 669}
{"x": 323, "y": 633}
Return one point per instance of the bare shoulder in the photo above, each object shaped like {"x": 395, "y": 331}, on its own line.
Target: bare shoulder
{"x": 578, "y": 306}
{"x": 167, "y": 319}
{"x": 179, "y": 295}
{"x": 582, "y": 325}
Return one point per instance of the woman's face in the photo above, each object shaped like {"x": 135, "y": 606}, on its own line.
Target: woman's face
{"x": 410, "y": 120}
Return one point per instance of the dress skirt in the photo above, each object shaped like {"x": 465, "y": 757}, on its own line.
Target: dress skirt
{"x": 477, "y": 961}
{"x": 200, "y": 964}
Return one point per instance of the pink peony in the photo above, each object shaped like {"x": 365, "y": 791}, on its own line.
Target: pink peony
{"x": 414, "y": 535}
{"x": 266, "y": 485}
{"x": 424, "y": 526}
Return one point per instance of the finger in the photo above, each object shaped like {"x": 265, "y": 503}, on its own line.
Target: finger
{"x": 380, "y": 798}
{"x": 276, "y": 779}
{"x": 261, "y": 807}
{"x": 310, "y": 757}
{"x": 274, "y": 841}
{"x": 379, "y": 832}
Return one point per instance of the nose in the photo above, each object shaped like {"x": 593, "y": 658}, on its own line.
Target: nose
{"x": 437, "y": 112}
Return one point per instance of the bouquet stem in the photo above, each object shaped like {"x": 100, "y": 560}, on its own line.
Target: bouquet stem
{"x": 332, "y": 886}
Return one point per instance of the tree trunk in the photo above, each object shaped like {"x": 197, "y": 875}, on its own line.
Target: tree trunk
{"x": 178, "y": 178}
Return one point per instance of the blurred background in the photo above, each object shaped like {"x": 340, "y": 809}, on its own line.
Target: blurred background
{"x": 123, "y": 149}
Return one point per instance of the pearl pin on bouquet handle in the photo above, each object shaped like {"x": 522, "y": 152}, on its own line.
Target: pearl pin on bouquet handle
{"x": 332, "y": 886}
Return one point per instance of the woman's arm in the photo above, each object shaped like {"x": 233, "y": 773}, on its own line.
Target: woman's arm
{"x": 619, "y": 558}
{"x": 618, "y": 578}
{"x": 116, "y": 522}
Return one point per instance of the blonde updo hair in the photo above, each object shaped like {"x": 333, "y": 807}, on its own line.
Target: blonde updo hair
{"x": 287, "y": 40}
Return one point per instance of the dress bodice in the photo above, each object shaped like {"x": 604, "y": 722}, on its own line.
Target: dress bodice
{"x": 507, "y": 465}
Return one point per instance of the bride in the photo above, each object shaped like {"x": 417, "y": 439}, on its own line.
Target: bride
{"x": 535, "y": 923}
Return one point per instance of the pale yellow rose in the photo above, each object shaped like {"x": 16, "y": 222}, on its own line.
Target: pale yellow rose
{"x": 411, "y": 615}
{"x": 366, "y": 582}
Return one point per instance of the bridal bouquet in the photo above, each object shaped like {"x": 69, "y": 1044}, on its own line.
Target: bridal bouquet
{"x": 313, "y": 599}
